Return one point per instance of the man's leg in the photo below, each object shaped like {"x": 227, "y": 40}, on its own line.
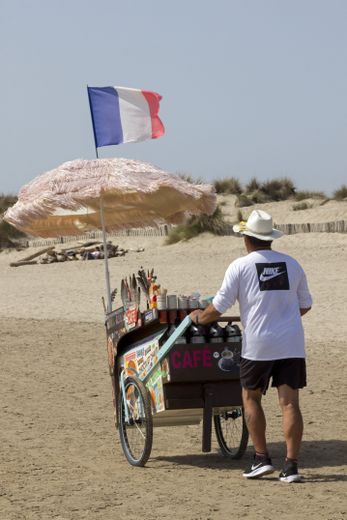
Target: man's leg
{"x": 255, "y": 374}
{"x": 256, "y": 424}
{"x": 292, "y": 419}
{"x": 255, "y": 418}
{"x": 292, "y": 429}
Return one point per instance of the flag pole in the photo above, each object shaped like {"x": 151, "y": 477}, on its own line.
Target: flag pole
{"x": 102, "y": 221}
{"x": 91, "y": 114}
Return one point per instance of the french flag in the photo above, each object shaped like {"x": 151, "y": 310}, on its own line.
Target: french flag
{"x": 124, "y": 115}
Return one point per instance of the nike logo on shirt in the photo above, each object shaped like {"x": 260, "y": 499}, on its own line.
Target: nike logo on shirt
{"x": 272, "y": 276}
{"x": 269, "y": 273}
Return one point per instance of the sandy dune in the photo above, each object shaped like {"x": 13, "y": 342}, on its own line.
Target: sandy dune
{"x": 318, "y": 211}
{"x": 60, "y": 453}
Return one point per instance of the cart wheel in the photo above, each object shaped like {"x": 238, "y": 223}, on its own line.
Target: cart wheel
{"x": 136, "y": 434}
{"x": 232, "y": 433}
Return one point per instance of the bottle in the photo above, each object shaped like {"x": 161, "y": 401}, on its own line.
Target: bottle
{"x": 196, "y": 334}
{"x": 162, "y": 309}
{"x": 173, "y": 322}
{"x": 182, "y": 302}
{"x": 216, "y": 333}
{"x": 182, "y": 313}
{"x": 172, "y": 317}
{"x": 232, "y": 333}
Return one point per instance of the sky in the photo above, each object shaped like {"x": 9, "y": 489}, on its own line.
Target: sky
{"x": 251, "y": 88}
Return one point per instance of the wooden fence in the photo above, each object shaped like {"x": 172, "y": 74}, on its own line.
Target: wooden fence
{"x": 339, "y": 226}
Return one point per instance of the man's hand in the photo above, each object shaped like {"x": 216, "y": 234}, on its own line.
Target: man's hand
{"x": 195, "y": 316}
{"x": 206, "y": 316}
{"x": 303, "y": 311}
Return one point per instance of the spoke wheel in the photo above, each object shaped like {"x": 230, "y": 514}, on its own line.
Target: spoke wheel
{"x": 232, "y": 433}
{"x": 136, "y": 434}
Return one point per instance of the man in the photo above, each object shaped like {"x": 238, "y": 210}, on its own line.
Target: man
{"x": 272, "y": 292}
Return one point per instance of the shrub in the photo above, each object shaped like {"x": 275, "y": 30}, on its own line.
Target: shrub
{"x": 243, "y": 201}
{"x": 188, "y": 178}
{"x": 178, "y": 234}
{"x": 214, "y": 223}
{"x": 278, "y": 189}
{"x": 229, "y": 186}
{"x": 302, "y": 195}
{"x": 253, "y": 185}
{"x": 341, "y": 193}
{"x": 301, "y": 205}
{"x": 6, "y": 201}
{"x": 7, "y": 232}
{"x": 259, "y": 197}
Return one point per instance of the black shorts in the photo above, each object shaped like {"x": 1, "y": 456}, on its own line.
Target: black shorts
{"x": 257, "y": 374}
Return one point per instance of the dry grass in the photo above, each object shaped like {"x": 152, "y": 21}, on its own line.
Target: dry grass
{"x": 244, "y": 201}
{"x": 7, "y": 232}
{"x": 188, "y": 178}
{"x": 257, "y": 192}
{"x": 229, "y": 186}
{"x": 301, "y": 205}
{"x": 278, "y": 189}
{"x": 303, "y": 195}
{"x": 341, "y": 193}
{"x": 214, "y": 224}
{"x": 253, "y": 185}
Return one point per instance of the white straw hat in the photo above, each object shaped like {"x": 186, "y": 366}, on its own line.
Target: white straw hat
{"x": 258, "y": 225}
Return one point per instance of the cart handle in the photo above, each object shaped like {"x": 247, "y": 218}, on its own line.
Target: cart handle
{"x": 168, "y": 345}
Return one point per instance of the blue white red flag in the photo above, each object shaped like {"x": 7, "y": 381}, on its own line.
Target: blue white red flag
{"x": 124, "y": 115}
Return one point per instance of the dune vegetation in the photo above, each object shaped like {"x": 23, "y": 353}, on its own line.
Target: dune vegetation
{"x": 8, "y": 233}
{"x": 253, "y": 192}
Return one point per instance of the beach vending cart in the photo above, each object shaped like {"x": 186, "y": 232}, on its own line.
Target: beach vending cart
{"x": 166, "y": 371}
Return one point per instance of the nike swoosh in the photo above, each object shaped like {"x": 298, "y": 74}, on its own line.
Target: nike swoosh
{"x": 255, "y": 466}
{"x": 266, "y": 277}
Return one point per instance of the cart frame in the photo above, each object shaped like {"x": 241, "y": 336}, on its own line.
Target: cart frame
{"x": 209, "y": 389}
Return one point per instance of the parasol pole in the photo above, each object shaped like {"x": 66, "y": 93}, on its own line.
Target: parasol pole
{"x": 107, "y": 273}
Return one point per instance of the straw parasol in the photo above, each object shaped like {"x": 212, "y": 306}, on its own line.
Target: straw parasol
{"x": 107, "y": 194}
{"x": 66, "y": 200}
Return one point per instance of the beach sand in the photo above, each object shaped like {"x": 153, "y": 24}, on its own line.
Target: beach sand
{"x": 60, "y": 452}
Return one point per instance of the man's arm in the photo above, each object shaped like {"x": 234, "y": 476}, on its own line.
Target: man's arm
{"x": 303, "y": 311}
{"x": 206, "y": 316}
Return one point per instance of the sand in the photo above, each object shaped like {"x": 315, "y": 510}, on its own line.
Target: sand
{"x": 60, "y": 452}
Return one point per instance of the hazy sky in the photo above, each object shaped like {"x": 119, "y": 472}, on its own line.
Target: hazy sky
{"x": 250, "y": 87}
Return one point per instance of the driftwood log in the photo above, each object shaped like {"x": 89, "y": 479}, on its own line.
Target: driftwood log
{"x": 85, "y": 251}
{"x": 27, "y": 259}
{"x": 23, "y": 262}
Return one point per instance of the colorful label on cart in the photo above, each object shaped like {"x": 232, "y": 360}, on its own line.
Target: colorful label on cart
{"x": 131, "y": 316}
{"x": 156, "y": 390}
{"x": 115, "y": 324}
{"x": 143, "y": 356}
{"x": 110, "y": 354}
{"x": 130, "y": 363}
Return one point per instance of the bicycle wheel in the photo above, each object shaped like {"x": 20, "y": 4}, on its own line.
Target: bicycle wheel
{"x": 232, "y": 433}
{"x": 136, "y": 434}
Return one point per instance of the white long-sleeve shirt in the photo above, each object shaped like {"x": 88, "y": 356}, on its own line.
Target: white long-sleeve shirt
{"x": 271, "y": 288}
